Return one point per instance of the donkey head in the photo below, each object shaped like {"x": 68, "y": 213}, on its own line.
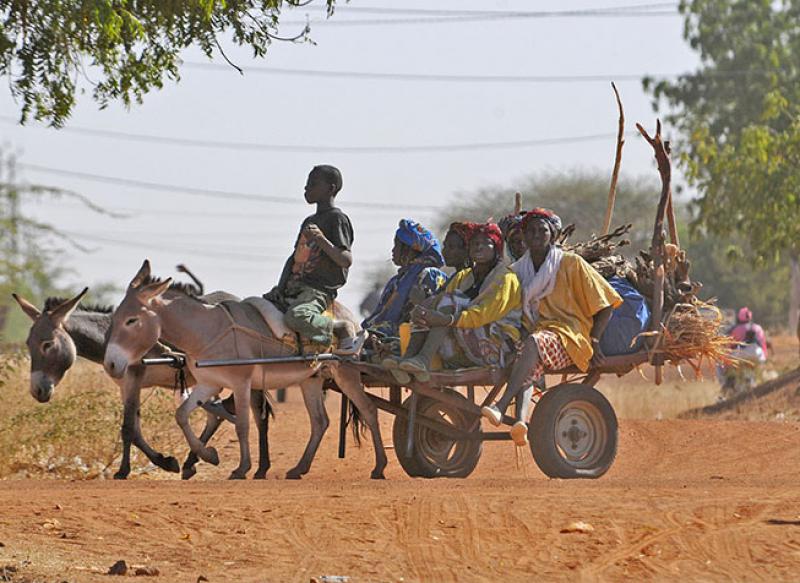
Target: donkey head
{"x": 135, "y": 324}
{"x": 51, "y": 348}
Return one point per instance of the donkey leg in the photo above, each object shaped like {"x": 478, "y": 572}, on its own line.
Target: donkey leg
{"x": 242, "y": 401}
{"x": 315, "y": 405}
{"x": 132, "y": 427}
{"x": 126, "y": 430}
{"x": 200, "y": 395}
{"x": 259, "y": 405}
{"x": 212, "y": 424}
{"x": 165, "y": 462}
{"x": 349, "y": 381}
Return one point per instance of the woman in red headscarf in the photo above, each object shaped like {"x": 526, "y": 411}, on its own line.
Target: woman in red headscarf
{"x": 488, "y": 344}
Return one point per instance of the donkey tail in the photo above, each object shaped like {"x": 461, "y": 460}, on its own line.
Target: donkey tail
{"x": 357, "y": 423}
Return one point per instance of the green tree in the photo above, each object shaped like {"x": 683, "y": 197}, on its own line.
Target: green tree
{"x": 738, "y": 116}
{"x": 131, "y": 46}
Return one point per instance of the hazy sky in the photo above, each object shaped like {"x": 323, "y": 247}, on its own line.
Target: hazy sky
{"x": 240, "y": 245}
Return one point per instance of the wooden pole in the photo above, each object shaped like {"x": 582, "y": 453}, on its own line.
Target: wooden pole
{"x": 612, "y": 190}
{"x": 517, "y": 203}
{"x": 657, "y": 250}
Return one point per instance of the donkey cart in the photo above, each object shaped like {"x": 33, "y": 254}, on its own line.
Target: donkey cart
{"x": 437, "y": 428}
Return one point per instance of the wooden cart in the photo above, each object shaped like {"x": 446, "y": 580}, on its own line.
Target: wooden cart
{"x": 437, "y": 430}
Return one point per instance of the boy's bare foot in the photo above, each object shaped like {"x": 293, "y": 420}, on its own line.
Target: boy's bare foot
{"x": 493, "y": 414}
{"x": 350, "y": 342}
{"x": 519, "y": 433}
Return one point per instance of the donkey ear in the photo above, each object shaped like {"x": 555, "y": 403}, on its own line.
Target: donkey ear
{"x": 154, "y": 290}
{"x": 62, "y": 312}
{"x": 143, "y": 273}
{"x": 27, "y": 307}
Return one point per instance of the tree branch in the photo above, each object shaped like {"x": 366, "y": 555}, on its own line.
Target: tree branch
{"x": 612, "y": 191}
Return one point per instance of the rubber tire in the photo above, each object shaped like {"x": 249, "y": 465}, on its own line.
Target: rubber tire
{"x": 419, "y": 465}
{"x": 399, "y": 432}
{"x": 543, "y": 426}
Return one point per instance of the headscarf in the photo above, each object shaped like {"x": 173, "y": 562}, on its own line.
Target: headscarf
{"x": 463, "y": 229}
{"x": 553, "y": 220}
{"x": 393, "y": 307}
{"x": 493, "y": 232}
{"x": 510, "y": 223}
{"x": 421, "y": 240}
{"x": 744, "y": 316}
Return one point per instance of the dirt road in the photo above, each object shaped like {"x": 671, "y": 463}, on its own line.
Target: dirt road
{"x": 709, "y": 500}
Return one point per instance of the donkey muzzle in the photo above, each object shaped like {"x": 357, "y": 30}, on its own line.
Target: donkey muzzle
{"x": 115, "y": 361}
{"x": 41, "y": 387}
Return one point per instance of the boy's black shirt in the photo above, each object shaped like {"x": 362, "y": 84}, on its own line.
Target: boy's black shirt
{"x": 309, "y": 264}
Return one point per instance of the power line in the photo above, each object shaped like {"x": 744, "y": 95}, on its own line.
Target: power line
{"x": 512, "y": 13}
{"x": 468, "y": 16}
{"x": 224, "y": 194}
{"x": 193, "y": 250}
{"x": 293, "y": 148}
{"x": 426, "y": 77}
{"x": 450, "y": 78}
{"x": 138, "y": 213}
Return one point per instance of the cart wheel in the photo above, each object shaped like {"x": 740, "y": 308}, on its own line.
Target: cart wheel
{"x": 407, "y": 462}
{"x": 436, "y": 455}
{"x": 573, "y": 432}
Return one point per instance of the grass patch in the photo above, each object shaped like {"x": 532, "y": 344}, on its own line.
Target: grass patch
{"x": 77, "y": 434}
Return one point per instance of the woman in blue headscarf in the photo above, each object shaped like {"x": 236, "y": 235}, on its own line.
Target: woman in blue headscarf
{"x": 418, "y": 256}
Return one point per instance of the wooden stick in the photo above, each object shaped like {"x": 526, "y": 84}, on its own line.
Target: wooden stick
{"x": 517, "y": 203}
{"x": 673, "y": 227}
{"x": 612, "y": 191}
{"x": 657, "y": 250}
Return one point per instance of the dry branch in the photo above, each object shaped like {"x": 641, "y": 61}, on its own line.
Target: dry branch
{"x": 612, "y": 191}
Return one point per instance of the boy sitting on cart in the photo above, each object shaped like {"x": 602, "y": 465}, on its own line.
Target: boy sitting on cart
{"x": 566, "y": 305}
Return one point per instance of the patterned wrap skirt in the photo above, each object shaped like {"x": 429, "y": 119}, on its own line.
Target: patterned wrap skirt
{"x": 552, "y": 354}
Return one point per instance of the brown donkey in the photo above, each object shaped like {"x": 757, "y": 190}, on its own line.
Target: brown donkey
{"x": 214, "y": 332}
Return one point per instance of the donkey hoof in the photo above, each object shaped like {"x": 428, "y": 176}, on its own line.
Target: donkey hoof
{"x": 188, "y": 473}
{"x": 377, "y": 475}
{"x": 169, "y": 464}
{"x": 209, "y": 455}
{"x": 260, "y": 475}
{"x": 237, "y": 475}
{"x": 294, "y": 474}
{"x": 120, "y": 475}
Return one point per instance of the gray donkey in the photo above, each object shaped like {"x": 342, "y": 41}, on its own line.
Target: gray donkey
{"x": 223, "y": 331}
{"x": 65, "y": 329}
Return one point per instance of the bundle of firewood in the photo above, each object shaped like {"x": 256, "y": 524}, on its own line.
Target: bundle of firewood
{"x": 683, "y": 328}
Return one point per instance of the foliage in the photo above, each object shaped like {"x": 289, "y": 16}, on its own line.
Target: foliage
{"x": 729, "y": 275}
{"x": 739, "y": 118}
{"x": 132, "y": 45}
{"x": 76, "y": 435}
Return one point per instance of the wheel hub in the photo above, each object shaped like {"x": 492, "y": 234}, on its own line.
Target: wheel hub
{"x": 580, "y": 434}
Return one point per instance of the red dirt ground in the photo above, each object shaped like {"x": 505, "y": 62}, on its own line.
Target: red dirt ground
{"x": 686, "y": 500}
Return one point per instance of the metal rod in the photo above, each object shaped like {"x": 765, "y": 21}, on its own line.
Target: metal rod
{"x": 343, "y": 425}
{"x": 169, "y": 360}
{"x": 267, "y": 360}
